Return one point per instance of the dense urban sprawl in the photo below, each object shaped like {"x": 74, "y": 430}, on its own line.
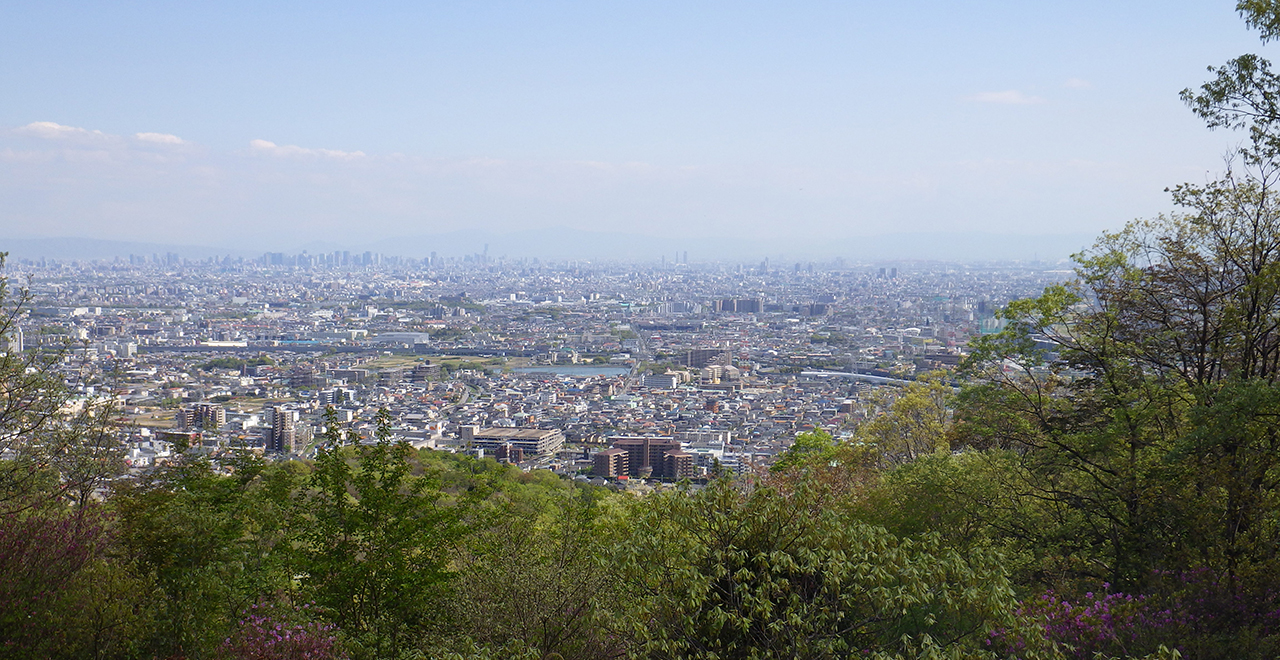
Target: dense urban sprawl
{"x": 726, "y": 363}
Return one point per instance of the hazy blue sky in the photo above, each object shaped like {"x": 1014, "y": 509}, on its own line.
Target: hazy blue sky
{"x": 225, "y": 123}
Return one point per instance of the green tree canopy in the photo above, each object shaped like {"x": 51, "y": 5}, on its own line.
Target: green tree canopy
{"x": 732, "y": 573}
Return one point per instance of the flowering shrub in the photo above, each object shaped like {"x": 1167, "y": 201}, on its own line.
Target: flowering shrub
{"x": 1105, "y": 623}
{"x": 1198, "y": 611}
{"x": 1221, "y": 617}
{"x": 273, "y": 632}
{"x": 41, "y": 553}
{"x": 1211, "y": 601}
{"x": 1097, "y": 625}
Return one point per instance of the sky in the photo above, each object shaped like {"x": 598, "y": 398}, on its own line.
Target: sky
{"x": 283, "y": 124}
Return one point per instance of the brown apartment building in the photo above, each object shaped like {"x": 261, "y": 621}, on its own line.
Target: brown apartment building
{"x": 644, "y": 456}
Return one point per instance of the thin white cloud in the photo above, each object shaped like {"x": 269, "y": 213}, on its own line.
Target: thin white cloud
{"x": 52, "y": 131}
{"x": 159, "y": 138}
{"x": 273, "y": 149}
{"x": 1008, "y": 97}
{"x": 1077, "y": 83}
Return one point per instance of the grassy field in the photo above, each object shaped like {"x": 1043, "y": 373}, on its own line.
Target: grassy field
{"x": 456, "y": 362}
{"x": 392, "y": 362}
{"x": 153, "y": 418}
{"x": 452, "y": 361}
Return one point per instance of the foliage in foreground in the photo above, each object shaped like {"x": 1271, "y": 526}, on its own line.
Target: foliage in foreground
{"x": 726, "y": 573}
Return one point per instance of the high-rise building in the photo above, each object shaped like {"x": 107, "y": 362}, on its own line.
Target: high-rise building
{"x": 659, "y": 457}
{"x": 509, "y": 453}
{"x": 303, "y": 377}
{"x": 185, "y": 418}
{"x": 279, "y": 435}
{"x": 610, "y": 463}
{"x": 336, "y": 397}
{"x": 424, "y": 371}
{"x": 701, "y": 357}
{"x": 677, "y": 464}
{"x": 210, "y": 416}
{"x": 207, "y": 416}
{"x": 14, "y": 343}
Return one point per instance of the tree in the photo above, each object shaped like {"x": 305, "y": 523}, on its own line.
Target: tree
{"x": 1129, "y": 417}
{"x": 1148, "y": 432}
{"x": 1245, "y": 92}
{"x": 530, "y": 573}
{"x": 56, "y": 450}
{"x": 728, "y": 573}
{"x": 212, "y": 544}
{"x": 913, "y": 425}
{"x": 53, "y": 573}
{"x": 1169, "y": 347}
{"x": 54, "y": 443}
{"x": 374, "y": 541}
{"x": 814, "y": 447}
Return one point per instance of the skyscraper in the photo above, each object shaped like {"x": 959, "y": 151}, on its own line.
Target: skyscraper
{"x": 280, "y": 435}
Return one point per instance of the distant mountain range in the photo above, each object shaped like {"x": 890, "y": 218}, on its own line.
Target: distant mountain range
{"x": 563, "y": 243}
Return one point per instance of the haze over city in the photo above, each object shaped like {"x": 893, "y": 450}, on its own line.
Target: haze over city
{"x": 799, "y": 127}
